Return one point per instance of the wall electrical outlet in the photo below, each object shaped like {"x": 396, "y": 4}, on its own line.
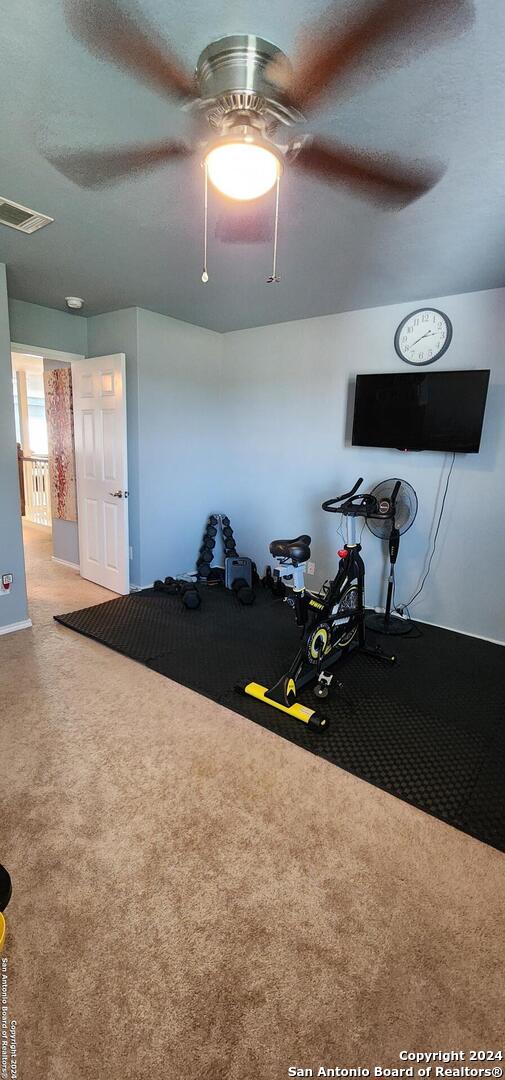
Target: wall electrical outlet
{"x": 311, "y": 568}
{"x": 5, "y": 584}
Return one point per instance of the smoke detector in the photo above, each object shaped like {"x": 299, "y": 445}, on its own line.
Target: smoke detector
{"x": 74, "y": 302}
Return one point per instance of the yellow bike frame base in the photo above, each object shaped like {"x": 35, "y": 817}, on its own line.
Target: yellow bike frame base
{"x": 296, "y": 711}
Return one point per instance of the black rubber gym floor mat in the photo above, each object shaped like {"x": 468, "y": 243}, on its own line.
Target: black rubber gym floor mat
{"x": 429, "y": 729}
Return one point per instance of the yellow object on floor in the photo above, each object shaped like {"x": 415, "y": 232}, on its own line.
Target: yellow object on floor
{"x": 2, "y": 931}
{"x": 297, "y": 711}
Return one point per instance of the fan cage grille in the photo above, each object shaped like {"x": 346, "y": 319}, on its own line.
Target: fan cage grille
{"x": 406, "y": 508}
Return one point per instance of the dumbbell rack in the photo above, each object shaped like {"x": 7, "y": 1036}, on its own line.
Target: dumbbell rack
{"x": 206, "y": 553}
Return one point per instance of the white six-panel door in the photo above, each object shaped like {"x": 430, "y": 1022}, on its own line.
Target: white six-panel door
{"x": 99, "y": 393}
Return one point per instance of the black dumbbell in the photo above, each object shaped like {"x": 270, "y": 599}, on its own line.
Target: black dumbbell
{"x": 169, "y": 585}
{"x": 189, "y": 594}
{"x": 246, "y": 596}
{"x": 243, "y": 592}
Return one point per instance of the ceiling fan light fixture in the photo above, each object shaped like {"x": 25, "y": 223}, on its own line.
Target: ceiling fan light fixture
{"x": 243, "y": 168}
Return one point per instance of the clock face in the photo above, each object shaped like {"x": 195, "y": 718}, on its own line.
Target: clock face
{"x": 423, "y": 336}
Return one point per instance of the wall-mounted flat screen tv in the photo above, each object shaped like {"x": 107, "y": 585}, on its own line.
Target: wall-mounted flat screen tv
{"x": 421, "y": 410}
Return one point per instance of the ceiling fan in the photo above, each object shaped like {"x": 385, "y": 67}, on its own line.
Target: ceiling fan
{"x": 246, "y": 94}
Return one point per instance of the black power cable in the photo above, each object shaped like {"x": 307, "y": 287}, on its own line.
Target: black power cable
{"x": 437, "y": 530}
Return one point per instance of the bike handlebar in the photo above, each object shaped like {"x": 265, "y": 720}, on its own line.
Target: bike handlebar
{"x": 329, "y": 504}
{"x": 365, "y": 505}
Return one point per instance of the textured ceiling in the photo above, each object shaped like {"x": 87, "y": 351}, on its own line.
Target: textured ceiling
{"x": 140, "y": 243}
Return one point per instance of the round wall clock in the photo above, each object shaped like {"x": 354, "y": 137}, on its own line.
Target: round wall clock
{"x": 423, "y": 336}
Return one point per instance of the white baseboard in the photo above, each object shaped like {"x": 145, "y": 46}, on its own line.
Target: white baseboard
{"x": 466, "y": 633}
{"x": 24, "y": 625}
{"x": 63, "y": 562}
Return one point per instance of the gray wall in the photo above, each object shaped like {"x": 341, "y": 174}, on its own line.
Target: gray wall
{"x": 175, "y": 433}
{"x": 26, "y": 324}
{"x": 65, "y": 541}
{"x": 45, "y": 328}
{"x": 257, "y": 423}
{"x": 41, "y": 327}
{"x": 172, "y": 377}
{"x": 183, "y": 440}
{"x": 13, "y": 608}
{"x": 285, "y": 409}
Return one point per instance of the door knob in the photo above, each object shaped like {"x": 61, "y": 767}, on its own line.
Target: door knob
{"x": 116, "y": 494}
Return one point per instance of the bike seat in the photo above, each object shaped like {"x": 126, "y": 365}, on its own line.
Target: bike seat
{"x": 298, "y": 549}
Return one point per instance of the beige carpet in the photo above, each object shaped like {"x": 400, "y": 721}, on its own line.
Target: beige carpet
{"x": 196, "y": 899}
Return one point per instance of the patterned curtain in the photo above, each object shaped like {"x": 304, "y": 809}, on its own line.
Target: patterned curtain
{"x": 60, "y": 433}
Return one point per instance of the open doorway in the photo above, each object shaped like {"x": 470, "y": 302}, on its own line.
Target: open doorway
{"x": 43, "y": 397}
{"x": 42, "y": 393}
{"x": 32, "y": 452}
{"x": 73, "y": 490}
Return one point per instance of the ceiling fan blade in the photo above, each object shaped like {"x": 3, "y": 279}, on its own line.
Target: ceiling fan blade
{"x": 378, "y": 177}
{"x": 130, "y": 42}
{"x": 100, "y": 168}
{"x": 402, "y": 27}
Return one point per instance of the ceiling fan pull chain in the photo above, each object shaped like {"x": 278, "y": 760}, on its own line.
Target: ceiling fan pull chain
{"x": 205, "y": 276}
{"x": 275, "y": 277}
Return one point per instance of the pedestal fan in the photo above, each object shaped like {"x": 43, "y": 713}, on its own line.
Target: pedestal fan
{"x": 397, "y": 500}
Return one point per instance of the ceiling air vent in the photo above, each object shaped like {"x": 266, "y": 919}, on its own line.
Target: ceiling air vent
{"x": 20, "y": 217}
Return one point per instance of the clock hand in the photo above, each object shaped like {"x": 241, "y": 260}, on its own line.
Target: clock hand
{"x": 427, "y": 334}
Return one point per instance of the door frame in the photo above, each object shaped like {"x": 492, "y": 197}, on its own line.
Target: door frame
{"x": 49, "y": 354}
{"x": 40, "y": 350}
{"x": 45, "y": 354}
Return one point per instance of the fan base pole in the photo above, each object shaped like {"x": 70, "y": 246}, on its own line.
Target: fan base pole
{"x": 392, "y": 626}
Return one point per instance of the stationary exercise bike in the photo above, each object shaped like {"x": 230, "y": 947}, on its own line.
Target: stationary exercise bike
{"x": 332, "y": 621}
